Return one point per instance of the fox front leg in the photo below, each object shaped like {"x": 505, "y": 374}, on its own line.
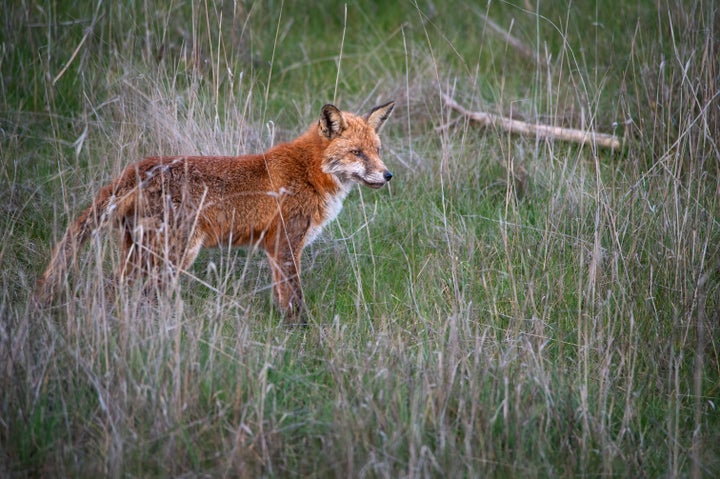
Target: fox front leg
{"x": 286, "y": 286}
{"x": 284, "y": 249}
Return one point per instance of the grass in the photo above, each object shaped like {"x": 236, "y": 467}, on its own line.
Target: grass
{"x": 507, "y": 307}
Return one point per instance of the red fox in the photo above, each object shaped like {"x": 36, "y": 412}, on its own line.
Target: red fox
{"x": 167, "y": 208}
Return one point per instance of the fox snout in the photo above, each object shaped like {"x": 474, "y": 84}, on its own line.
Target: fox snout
{"x": 387, "y": 176}
{"x": 374, "y": 178}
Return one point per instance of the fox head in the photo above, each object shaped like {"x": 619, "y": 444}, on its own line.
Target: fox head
{"x": 353, "y": 151}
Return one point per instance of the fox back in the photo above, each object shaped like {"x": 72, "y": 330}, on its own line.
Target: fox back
{"x": 168, "y": 208}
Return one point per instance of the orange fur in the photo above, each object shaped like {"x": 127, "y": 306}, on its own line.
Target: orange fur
{"x": 168, "y": 208}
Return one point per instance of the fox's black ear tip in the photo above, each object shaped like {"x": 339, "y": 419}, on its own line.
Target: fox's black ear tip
{"x": 385, "y": 107}
{"x": 329, "y": 107}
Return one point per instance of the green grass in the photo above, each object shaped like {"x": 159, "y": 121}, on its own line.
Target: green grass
{"x": 506, "y": 307}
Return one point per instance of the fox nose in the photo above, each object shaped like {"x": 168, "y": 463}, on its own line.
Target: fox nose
{"x": 387, "y": 175}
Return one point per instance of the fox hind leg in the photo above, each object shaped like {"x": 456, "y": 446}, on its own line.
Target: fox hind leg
{"x": 156, "y": 251}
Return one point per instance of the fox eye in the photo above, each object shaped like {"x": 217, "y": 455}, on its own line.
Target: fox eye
{"x": 356, "y": 152}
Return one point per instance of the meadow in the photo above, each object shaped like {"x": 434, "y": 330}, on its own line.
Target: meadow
{"x": 508, "y": 306}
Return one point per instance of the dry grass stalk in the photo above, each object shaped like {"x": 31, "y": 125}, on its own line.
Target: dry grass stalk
{"x": 513, "y": 41}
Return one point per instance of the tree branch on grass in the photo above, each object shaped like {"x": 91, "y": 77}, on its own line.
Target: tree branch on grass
{"x": 585, "y": 137}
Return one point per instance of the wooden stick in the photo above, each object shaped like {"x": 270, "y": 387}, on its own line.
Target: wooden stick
{"x": 584, "y": 137}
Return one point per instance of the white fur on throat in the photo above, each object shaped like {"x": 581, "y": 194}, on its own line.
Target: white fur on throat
{"x": 333, "y": 206}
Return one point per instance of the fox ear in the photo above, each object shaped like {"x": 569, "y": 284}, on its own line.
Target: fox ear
{"x": 332, "y": 122}
{"x": 379, "y": 114}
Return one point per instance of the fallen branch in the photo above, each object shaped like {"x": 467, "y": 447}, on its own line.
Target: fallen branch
{"x": 584, "y": 137}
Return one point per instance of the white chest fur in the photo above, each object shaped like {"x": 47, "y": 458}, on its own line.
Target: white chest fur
{"x": 333, "y": 205}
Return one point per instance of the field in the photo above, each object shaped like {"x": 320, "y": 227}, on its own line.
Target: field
{"x": 509, "y": 306}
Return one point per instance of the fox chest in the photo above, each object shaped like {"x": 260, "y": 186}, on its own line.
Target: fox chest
{"x": 329, "y": 210}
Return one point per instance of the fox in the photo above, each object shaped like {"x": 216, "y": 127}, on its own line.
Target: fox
{"x": 168, "y": 208}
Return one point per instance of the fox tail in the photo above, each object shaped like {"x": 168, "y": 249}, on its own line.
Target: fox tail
{"x": 65, "y": 252}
